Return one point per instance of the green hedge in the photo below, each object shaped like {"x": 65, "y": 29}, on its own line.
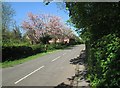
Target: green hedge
{"x": 57, "y": 46}
{"x": 10, "y": 53}
{"x": 104, "y": 61}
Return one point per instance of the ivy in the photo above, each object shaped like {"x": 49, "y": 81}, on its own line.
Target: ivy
{"x": 100, "y": 29}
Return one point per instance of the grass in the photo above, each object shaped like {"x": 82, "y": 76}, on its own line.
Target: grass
{"x": 0, "y": 64}
{"x": 22, "y": 60}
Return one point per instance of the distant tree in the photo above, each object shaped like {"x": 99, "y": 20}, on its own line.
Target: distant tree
{"x": 7, "y": 15}
{"x": 34, "y": 27}
{"x": 42, "y": 25}
{"x": 16, "y": 30}
{"x": 55, "y": 27}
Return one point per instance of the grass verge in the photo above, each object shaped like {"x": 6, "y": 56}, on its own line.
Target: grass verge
{"x": 0, "y": 64}
{"x": 22, "y": 60}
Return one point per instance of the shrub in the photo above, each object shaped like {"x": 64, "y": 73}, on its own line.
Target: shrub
{"x": 10, "y": 53}
{"x": 18, "y": 51}
{"x": 56, "y": 46}
{"x": 104, "y": 61}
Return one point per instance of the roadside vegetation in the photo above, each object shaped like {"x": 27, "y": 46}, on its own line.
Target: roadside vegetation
{"x": 99, "y": 25}
{"x": 43, "y": 34}
{"x": 10, "y": 63}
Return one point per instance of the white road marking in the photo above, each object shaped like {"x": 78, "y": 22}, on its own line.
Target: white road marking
{"x": 55, "y": 59}
{"x": 29, "y": 74}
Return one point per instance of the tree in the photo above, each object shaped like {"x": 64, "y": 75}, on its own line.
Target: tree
{"x": 7, "y": 14}
{"x": 16, "y": 30}
{"x": 99, "y": 24}
{"x": 55, "y": 27}
{"x": 92, "y": 16}
{"x": 34, "y": 27}
{"x": 42, "y": 25}
{"x": 7, "y": 17}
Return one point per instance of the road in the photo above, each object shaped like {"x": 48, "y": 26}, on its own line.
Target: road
{"x": 48, "y": 70}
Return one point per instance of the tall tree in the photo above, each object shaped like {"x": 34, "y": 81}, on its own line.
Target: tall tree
{"x": 99, "y": 24}
{"x": 43, "y": 25}
{"x": 7, "y": 15}
{"x": 95, "y": 17}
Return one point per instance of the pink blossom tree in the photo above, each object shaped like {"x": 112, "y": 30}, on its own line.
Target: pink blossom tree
{"x": 31, "y": 25}
{"x": 42, "y": 25}
{"x": 55, "y": 27}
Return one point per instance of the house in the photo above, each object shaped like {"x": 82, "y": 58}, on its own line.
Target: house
{"x": 65, "y": 40}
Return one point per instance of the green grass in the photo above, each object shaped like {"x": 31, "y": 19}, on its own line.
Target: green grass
{"x": 0, "y": 64}
{"x": 22, "y": 60}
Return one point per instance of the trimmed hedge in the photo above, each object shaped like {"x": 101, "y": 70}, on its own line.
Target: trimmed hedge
{"x": 10, "y": 53}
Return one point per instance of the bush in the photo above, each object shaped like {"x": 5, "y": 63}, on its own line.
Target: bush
{"x": 38, "y": 48}
{"x": 10, "y": 53}
{"x": 104, "y": 61}
{"x": 50, "y": 46}
{"x": 18, "y": 51}
{"x": 56, "y": 46}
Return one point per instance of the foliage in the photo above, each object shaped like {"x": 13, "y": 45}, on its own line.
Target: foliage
{"x": 12, "y": 38}
{"x": 42, "y": 25}
{"x": 39, "y": 29}
{"x": 104, "y": 61}
{"x": 11, "y": 34}
{"x": 22, "y": 60}
{"x": 45, "y": 39}
{"x": 16, "y": 52}
{"x": 95, "y": 17}
{"x": 11, "y": 53}
{"x": 7, "y": 15}
{"x": 99, "y": 27}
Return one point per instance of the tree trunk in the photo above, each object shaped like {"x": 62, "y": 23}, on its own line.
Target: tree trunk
{"x": 55, "y": 40}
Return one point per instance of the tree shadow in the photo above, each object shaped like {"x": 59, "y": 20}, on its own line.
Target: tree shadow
{"x": 63, "y": 85}
{"x": 79, "y": 60}
{"x": 81, "y": 75}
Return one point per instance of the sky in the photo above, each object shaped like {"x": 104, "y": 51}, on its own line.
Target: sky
{"x": 23, "y": 8}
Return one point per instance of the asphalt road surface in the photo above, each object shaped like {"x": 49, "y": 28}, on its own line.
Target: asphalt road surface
{"x": 49, "y": 70}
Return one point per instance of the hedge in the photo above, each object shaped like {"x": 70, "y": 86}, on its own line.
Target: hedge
{"x": 104, "y": 61}
{"x": 10, "y": 53}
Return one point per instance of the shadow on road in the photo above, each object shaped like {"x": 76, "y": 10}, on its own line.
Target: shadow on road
{"x": 78, "y": 60}
{"x": 79, "y": 76}
{"x": 63, "y": 85}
